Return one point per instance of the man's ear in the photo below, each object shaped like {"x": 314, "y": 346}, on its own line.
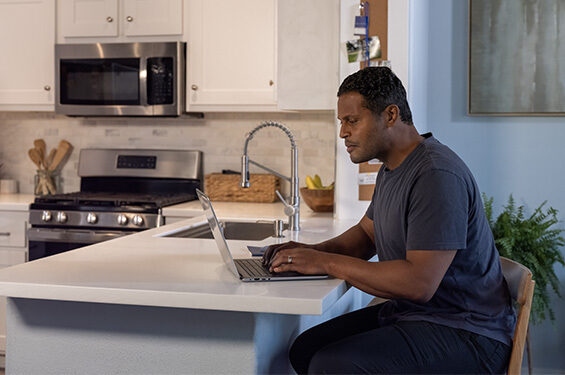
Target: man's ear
{"x": 392, "y": 113}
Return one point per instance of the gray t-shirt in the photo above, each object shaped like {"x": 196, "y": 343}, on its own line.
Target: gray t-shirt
{"x": 432, "y": 202}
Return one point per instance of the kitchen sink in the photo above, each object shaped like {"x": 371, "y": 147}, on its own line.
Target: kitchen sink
{"x": 233, "y": 230}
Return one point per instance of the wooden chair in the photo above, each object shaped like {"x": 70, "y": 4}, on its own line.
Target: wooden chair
{"x": 521, "y": 287}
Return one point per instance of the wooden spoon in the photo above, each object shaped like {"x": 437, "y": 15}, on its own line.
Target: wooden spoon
{"x": 35, "y": 157}
{"x": 42, "y": 149}
{"x": 50, "y": 157}
{"x": 63, "y": 150}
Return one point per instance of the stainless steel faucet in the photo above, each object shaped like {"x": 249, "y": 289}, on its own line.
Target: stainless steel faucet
{"x": 291, "y": 209}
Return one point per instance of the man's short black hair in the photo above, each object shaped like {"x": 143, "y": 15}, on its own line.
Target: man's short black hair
{"x": 380, "y": 87}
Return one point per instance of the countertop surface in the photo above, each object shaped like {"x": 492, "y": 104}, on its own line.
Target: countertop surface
{"x": 148, "y": 269}
{"x": 15, "y": 202}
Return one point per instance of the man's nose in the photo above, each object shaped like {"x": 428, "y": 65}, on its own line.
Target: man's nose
{"x": 342, "y": 132}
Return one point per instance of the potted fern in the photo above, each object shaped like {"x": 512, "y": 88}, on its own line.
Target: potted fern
{"x": 535, "y": 242}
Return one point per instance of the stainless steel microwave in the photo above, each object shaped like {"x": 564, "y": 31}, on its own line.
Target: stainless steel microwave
{"x": 120, "y": 79}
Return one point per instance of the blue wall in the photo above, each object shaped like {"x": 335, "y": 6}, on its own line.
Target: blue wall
{"x": 524, "y": 156}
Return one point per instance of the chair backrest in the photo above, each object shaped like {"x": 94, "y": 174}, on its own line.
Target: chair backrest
{"x": 521, "y": 286}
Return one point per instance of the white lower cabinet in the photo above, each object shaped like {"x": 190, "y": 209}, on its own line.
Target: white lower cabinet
{"x": 27, "y": 35}
{"x": 13, "y": 250}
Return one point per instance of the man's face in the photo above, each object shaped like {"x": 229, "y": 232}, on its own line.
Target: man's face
{"x": 365, "y": 135}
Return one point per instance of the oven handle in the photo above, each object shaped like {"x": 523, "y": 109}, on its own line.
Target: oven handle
{"x": 73, "y": 235}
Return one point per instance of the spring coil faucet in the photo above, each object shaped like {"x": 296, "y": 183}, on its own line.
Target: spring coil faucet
{"x": 291, "y": 209}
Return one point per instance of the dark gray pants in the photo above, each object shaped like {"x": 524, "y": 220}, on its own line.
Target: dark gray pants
{"x": 354, "y": 343}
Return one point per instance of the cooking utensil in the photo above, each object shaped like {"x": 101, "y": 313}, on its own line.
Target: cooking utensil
{"x": 35, "y": 157}
{"x": 41, "y": 147}
{"x": 63, "y": 150}
{"x": 50, "y": 157}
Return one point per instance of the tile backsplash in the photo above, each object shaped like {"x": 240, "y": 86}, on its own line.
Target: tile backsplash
{"x": 220, "y": 136}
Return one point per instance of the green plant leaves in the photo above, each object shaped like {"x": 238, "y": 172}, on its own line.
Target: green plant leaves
{"x": 533, "y": 242}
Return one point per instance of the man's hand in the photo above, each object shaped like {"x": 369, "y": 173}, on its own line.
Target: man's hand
{"x": 272, "y": 250}
{"x": 302, "y": 260}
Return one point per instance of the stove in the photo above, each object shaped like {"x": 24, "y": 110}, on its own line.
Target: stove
{"x": 122, "y": 191}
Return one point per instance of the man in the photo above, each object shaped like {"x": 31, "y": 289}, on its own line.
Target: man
{"x": 448, "y": 308}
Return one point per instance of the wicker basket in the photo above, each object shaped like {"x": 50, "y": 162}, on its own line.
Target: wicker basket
{"x": 226, "y": 188}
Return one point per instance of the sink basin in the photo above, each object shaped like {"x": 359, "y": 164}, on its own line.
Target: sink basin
{"x": 233, "y": 230}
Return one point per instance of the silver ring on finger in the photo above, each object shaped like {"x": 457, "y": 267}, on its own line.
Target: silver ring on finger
{"x": 289, "y": 261}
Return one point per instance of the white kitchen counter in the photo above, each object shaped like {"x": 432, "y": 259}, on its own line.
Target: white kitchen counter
{"x": 15, "y": 202}
{"x": 150, "y": 270}
{"x": 156, "y": 276}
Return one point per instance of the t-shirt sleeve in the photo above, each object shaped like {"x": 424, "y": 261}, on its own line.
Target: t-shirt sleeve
{"x": 438, "y": 212}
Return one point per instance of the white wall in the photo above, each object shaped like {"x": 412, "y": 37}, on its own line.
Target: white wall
{"x": 347, "y": 204}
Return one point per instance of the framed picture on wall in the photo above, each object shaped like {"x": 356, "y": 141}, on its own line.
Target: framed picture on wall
{"x": 517, "y": 57}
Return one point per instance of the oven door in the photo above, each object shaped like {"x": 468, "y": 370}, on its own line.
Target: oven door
{"x": 44, "y": 242}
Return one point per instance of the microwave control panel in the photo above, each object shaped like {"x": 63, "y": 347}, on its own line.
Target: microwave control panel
{"x": 160, "y": 80}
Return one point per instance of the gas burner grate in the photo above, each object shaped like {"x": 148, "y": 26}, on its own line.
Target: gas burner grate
{"x": 111, "y": 200}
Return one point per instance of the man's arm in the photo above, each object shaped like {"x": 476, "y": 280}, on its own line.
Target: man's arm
{"x": 357, "y": 241}
{"x": 415, "y": 278}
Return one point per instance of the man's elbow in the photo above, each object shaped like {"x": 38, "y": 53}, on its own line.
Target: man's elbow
{"x": 422, "y": 294}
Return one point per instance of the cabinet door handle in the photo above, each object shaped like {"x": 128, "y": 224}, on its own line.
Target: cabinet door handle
{"x": 129, "y": 18}
{"x": 271, "y": 82}
{"x": 194, "y": 87}
{"x": 109, "y": 19}
{"x": 47, "y": 88}
{"x": 5, "y": 234}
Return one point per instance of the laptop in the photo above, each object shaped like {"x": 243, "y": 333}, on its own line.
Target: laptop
{"x": 246, "y": 269}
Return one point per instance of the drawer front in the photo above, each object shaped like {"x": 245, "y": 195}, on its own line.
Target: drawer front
{"x": 10, "y": 256}
{"x": 13, "y": 228}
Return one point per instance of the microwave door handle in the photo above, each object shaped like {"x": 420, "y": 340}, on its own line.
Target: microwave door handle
{"x": 143, "y": 76}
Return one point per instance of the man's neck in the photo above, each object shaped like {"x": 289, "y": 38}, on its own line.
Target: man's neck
{"x": 405, "y": 144}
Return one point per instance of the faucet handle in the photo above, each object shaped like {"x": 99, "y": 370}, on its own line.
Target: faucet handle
{"x": 289, "y": 209}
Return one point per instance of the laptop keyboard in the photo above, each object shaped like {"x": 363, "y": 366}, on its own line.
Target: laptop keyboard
{"x": 253, "y": 267}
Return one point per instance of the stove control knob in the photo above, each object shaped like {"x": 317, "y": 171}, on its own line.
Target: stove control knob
{"x": 46, "y": 216}
{"x": 91, "y": 218}
{"x": 61, "y": 217}
{"x": 137, "y": 220}
{"x": 122, "y": 219}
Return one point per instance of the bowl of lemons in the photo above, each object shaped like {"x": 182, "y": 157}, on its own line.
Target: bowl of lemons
{"x": 319, "y": 197}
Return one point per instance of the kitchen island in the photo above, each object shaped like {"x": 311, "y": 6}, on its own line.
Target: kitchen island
{"x": 148, "y": 303}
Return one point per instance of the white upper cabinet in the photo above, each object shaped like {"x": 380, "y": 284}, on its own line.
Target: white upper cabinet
{"x": 231, "y": 54}
{"x": 152, "y": 17}
{"x": 262, "y": 55}
{"x": 119, "y": 19}
{"x": 84, "y": 18}
{"x": 27, "y": 36}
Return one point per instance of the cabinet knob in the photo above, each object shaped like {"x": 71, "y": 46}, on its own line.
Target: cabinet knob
{"x": 109, "y": 19}
{"x": 194, "y": 87}
{"x": 47, "y": 88}
{"x": 271, "y": 82}
{"x": 129, "y": 18}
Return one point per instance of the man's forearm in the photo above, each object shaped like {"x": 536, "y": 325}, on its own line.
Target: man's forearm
{"x": 353, "y": 242}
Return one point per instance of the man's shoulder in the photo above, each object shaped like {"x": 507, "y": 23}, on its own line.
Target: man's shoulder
{"x": 437, "y": 156}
